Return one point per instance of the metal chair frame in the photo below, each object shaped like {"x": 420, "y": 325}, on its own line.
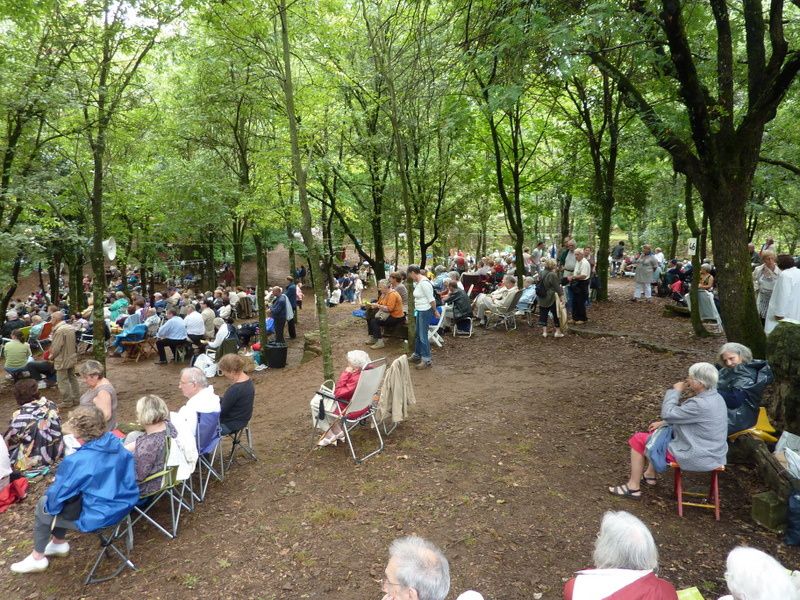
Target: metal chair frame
{"x": 504, "y": 315}
{"x": 109, "y": 548}
{"x": 368, "y": 385}
{"x": 169, "y": 488}
{"x": 206, "y": 463}
{"x": 237, "y": 443}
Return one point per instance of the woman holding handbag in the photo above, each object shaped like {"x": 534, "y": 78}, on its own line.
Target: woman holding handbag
{"x": 386, "y": 312}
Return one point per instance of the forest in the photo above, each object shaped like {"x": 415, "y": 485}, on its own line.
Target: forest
{"x": 215, "y": 130}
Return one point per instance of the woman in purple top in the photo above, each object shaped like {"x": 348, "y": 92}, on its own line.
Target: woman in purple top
{"x": 150, "y": 447}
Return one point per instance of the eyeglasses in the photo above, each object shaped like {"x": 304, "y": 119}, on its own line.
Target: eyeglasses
{"x": 385, "y": 581}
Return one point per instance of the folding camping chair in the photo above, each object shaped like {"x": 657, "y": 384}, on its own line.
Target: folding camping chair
{"x": 110, "y": 538}
{"x": 361, "y": 408}
{"x": 505, "y": 316}
{"x": 244, "y": 445}
{"x": 209, "y": 451}
{"x": 43, "y": 337}
{"x": 170, "y": 488}
{"x": 434, "y": 337}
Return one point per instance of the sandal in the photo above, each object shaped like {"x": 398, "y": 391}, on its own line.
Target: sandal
{"x": 625, "y": 492}
{"x": 649, "y": 480}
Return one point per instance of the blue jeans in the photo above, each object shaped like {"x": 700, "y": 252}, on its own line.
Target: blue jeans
{"x": 568, "y": 291}
{"x": 422, "y": 346}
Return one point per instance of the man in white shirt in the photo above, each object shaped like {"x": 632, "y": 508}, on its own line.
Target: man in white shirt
{"x": 195, "y": 326}
{"x": 785, "y": 300}
{"x": 579, "y": 283}
{"x": 200, "y": 397}
{"x": 660, "y": 257}
{"x": 501, "y": 298}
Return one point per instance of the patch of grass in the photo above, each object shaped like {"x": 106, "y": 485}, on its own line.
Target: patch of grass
{"x": 304, "y": 558}
{"x": 470, "y": 542}
{"x": 331, "y": 514}
{"x": 524, "y": 447}
{"x": 190, "y": 581}
{"x": 408, "y": 444}
{"x": 370, "y": 487}
{"x": 223, "y": 563}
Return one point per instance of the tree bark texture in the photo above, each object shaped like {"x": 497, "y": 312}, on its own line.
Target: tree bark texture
{"x": 783, "y": 354}
{"x": 300, "y": 175}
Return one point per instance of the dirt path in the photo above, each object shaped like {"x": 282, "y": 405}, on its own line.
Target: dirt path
{"x": 503, "y": 463}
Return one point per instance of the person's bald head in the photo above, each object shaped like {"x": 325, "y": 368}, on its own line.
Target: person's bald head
{"x": 276, "y": 291}
{"x": 56, "y": 317}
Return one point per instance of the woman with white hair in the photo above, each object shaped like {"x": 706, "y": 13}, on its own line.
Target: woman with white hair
{"x": 699, "y": 431}
{"x": 325, "y": 411}
{"x": 741, "y": 383}
{"x": 222, "y": 333}
{"x": 625, "y": 559}
{"x": 754, "y": 575}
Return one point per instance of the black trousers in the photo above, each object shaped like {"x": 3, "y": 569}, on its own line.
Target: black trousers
{"x": 292, "y": 323}
{"x": 196, "y": 341}
{"x": 580, "y": 294}
{"x": 374, "y": 325}
{"x": 279, "y": 325}
{"x": 171, "y": 344}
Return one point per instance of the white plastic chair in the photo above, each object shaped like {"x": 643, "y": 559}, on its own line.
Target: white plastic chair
{"x": 433, "y": 331}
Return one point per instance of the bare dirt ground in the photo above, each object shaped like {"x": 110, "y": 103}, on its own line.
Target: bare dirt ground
{"x": 503, "y": 463}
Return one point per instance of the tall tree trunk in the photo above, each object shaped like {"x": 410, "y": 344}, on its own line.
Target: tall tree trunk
{"x": 261, "y": 275}
{"x": 704, "y": 237}
{"x": 238, "y": 229}
{"x": 673, "y": 247}
{"x": 210, "y": 267}
{"x": 41, "y": 277}
{"x": 53, "y": 272}
{"x": 6, "y": 299}
{"x": 300, "y": 176}
{"x": 292, "y": 253}
{"x": 603, "y": 247}
{"x": 697, "y": 323}
{"x": 564, "y": 214}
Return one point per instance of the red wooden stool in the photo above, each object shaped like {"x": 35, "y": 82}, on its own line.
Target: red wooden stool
{"x": 713, "y": 492}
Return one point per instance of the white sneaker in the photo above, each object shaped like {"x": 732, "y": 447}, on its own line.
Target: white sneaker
{"x": 558, "y": 334}
{"x": 54, "y": 549}
{"x": 30, "y": 565}
{"x": 544, "y": 333}
{"x": 261, "y": 367}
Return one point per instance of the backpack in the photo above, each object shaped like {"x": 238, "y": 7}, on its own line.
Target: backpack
{"x": 541, "y": 291}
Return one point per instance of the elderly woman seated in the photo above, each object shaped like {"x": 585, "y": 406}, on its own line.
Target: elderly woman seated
{"x": 33, "y": 436}
{"x": 149, "y": 447}
{"x": 741, "y": 383}
{"x": 118, "y": 306}
{"x": 625, "y": 559}
{"x": 386, "y": 312}
{"x": 699, "y": 431}
{"x": 325, "y": 410}
{"x": 753, "y": 575}
{"x": 528, "y": 298}
{"x": 95, "y": 487}
{"x": 100, "y": 392}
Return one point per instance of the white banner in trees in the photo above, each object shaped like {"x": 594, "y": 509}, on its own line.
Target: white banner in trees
{"x": 692, "y": 246}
